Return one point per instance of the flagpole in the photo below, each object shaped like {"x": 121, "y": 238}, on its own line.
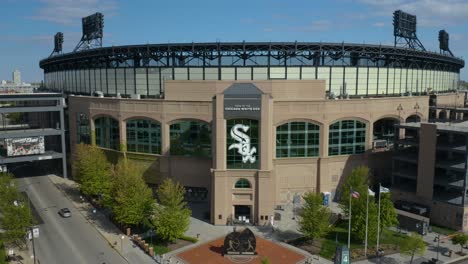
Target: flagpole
{"x": 349, "y": 222}
{"x": 378, "y": 220}
{"x": 367, "y": 220}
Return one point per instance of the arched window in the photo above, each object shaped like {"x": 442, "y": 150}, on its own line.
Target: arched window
{"x": 242, "y": 184}
{"x": 83, "y": 134}
{"x": 107, "y": 132}
{"x": 297, "y": 139}
{"x": 242, "y": 149}
{"x": 143, "y": 136}
{"x": 347, "y": 137}
{"x": 190, "y": 138}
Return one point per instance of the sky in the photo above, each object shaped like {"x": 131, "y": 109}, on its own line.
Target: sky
{"x": 27, "y": 27}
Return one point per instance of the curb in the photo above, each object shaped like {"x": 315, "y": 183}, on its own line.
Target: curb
{"x": 79, "y": 211}
{"x": 457, "y": 259}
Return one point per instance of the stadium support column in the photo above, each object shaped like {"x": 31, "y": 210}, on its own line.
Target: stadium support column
{"x": 165, "y": 138}
{"x": 266, "y": 182}
{"x": 426, "y": 160}
{"x": 123, "y": 135}
{"x": 220, "y": 188}
{"x": 323, "y": 154}
{"x": 370, "y": 134}
{"x": 62, "y": 138}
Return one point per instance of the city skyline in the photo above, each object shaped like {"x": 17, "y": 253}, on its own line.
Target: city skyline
{"x": 29, "y": 26}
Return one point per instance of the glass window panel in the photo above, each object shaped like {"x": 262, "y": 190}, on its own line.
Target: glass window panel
{"x": 362, "y": 81}
{"x": 180, "y": 73}
{"x": 130, "y": 80}
{"x": 293, "y": 73}
{"x": 190, "y": 138}
{"x": 107, "y": 132}
{"x": 120, "y": 80}
{"x": 347, "y": 137}
{"x": 211, "y": 73}
{"x": 82, "y": 129}
{"x": 297, "y": 139}
{"x": 228, "y": 74}
{"x": 337, "y": 80}
{"x": 196, "y": 73}
{"x": 372, "y": 81}
{"x": 260, "y": 73}
{"x": 308, "y": 73}
{"x": 111, "y": 81}
{"x": 244, "y": 73}
{"x": 350, "y": 80}
{"x": 144, "y": 136}
{"x": 277, "y": 73}
{"x": 382, "y": 81}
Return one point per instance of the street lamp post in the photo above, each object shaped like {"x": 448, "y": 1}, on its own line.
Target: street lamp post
{"x": 399, "y": 109}
{"x": 416, "y": 108}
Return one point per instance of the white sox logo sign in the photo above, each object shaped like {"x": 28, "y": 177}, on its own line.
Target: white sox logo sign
{"x": 243, "y": 147}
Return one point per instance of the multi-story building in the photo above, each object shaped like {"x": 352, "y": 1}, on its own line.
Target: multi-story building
{"x": 32, "y": 131}
{"x": 17, "y": 77}
{"x": 430, "y": 169}
{"x": 249, "y": 126}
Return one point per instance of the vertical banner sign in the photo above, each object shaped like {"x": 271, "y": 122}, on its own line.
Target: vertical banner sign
{"x": 242, "y": 109}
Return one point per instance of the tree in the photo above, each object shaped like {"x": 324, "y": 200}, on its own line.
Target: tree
{"x": 171, "y": 218}
{"x": 15, "y": 221}
{"x": 388, "y": 215}
{"x": 93, "y": 172}
{"x": 359, "y": 181}
{"x": 132, "y": 198}
{"x": 15, "y": 217}
{"x": 460, "y": 239}
{"x": 414, "y": 244}
{"x": 7, "y": 189}
{"x": 314, "y": 218}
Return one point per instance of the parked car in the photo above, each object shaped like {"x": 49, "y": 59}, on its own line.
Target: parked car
{"x": 65, "y": 212}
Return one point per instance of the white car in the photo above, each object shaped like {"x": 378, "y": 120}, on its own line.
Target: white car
{"x": 65, "y": 212}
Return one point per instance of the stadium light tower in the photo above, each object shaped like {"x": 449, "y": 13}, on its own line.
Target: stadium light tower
{"x": 444, "y": 43}
{"x": 92, "y": 32}
{"x": 58, "y": 44}
{"x": 404, "y": 30}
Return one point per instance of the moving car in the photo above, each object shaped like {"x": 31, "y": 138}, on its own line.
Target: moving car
{"x": 65, "y": 212}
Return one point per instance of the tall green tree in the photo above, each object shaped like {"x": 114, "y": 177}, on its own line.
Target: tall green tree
{"x": 8, "y": 189}
{"x": 15, "y": 217}
{"x": 93, "y": 171}
{"x": 388, "y": 215}
{"x": 412, "y": 245}
{"x": 15, "y": 220}
{"x": 314, "y": 218}
{"x": 358, "y": 181}
{"x": 132, "y": 198}
{"x": 460, "y": 239}
{"x": 171, "y": 217}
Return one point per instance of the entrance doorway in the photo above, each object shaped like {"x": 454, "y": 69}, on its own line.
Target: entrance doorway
{"x": 242, "y": 213}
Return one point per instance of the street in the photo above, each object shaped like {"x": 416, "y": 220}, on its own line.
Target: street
{"x": 64, "y": 240}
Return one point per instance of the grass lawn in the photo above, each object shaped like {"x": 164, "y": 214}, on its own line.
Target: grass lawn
{"x": 159, "y": 246}
{"x": 442, "y": 230}
{"x": 340, "y": 234}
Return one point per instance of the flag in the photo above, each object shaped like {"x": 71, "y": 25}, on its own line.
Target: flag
{"x": 355, "y": 194}
{"x": 370, "y": 192}
{"x": 384, "y": 190}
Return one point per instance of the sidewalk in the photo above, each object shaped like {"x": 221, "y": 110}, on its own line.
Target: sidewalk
{"x": 125, "y": 247}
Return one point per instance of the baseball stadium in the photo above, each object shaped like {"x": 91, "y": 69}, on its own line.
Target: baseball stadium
{"x": 247, "y": 127}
